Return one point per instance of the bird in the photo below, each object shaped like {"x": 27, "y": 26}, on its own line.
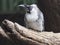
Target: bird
{"x": 33, "y": 18}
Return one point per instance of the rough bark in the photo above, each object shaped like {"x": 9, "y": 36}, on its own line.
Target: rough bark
{"x": 20, "y": 35}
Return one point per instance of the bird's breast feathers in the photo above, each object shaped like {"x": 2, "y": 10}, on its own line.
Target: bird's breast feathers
{"x": 31, "y": 17}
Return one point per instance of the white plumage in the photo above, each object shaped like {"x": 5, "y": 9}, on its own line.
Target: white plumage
{"x": 34, "y": 18}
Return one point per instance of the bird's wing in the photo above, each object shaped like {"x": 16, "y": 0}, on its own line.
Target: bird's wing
{"x": 40, "y": 16}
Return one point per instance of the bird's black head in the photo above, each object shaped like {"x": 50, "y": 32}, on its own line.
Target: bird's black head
{"x": 27, "y": 8}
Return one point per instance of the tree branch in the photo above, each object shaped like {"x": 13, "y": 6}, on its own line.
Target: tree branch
{"x": 31, "y": 37}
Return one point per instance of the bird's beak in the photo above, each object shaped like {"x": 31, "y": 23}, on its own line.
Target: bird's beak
{"x": 26, "y": 7}
{"x": 21, "y": 5}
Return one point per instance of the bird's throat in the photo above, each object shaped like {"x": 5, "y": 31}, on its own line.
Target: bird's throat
{"x": 29, "y": 12}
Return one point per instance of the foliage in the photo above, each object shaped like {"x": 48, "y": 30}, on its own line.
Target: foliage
{"x": 29, "y": 1}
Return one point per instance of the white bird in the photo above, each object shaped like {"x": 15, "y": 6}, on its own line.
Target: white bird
{"x": 34, "y": 18}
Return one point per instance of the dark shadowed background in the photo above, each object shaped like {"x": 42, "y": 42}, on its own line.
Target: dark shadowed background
{"x": 50, "y": 8}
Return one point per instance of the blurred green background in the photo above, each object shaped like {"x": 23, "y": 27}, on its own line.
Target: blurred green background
{"x": 10, "y": 6}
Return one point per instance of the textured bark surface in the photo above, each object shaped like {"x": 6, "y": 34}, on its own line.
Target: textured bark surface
{"x": 11, "y": 33}
{"x": 51, "y": 9}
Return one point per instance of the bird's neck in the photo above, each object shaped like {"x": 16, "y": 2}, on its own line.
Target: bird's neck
{"x": 32, "y": 16}
{"x": 34, "y": 10}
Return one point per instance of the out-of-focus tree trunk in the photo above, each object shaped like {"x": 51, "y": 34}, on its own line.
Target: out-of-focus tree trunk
{"x": 51, "y": 9}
